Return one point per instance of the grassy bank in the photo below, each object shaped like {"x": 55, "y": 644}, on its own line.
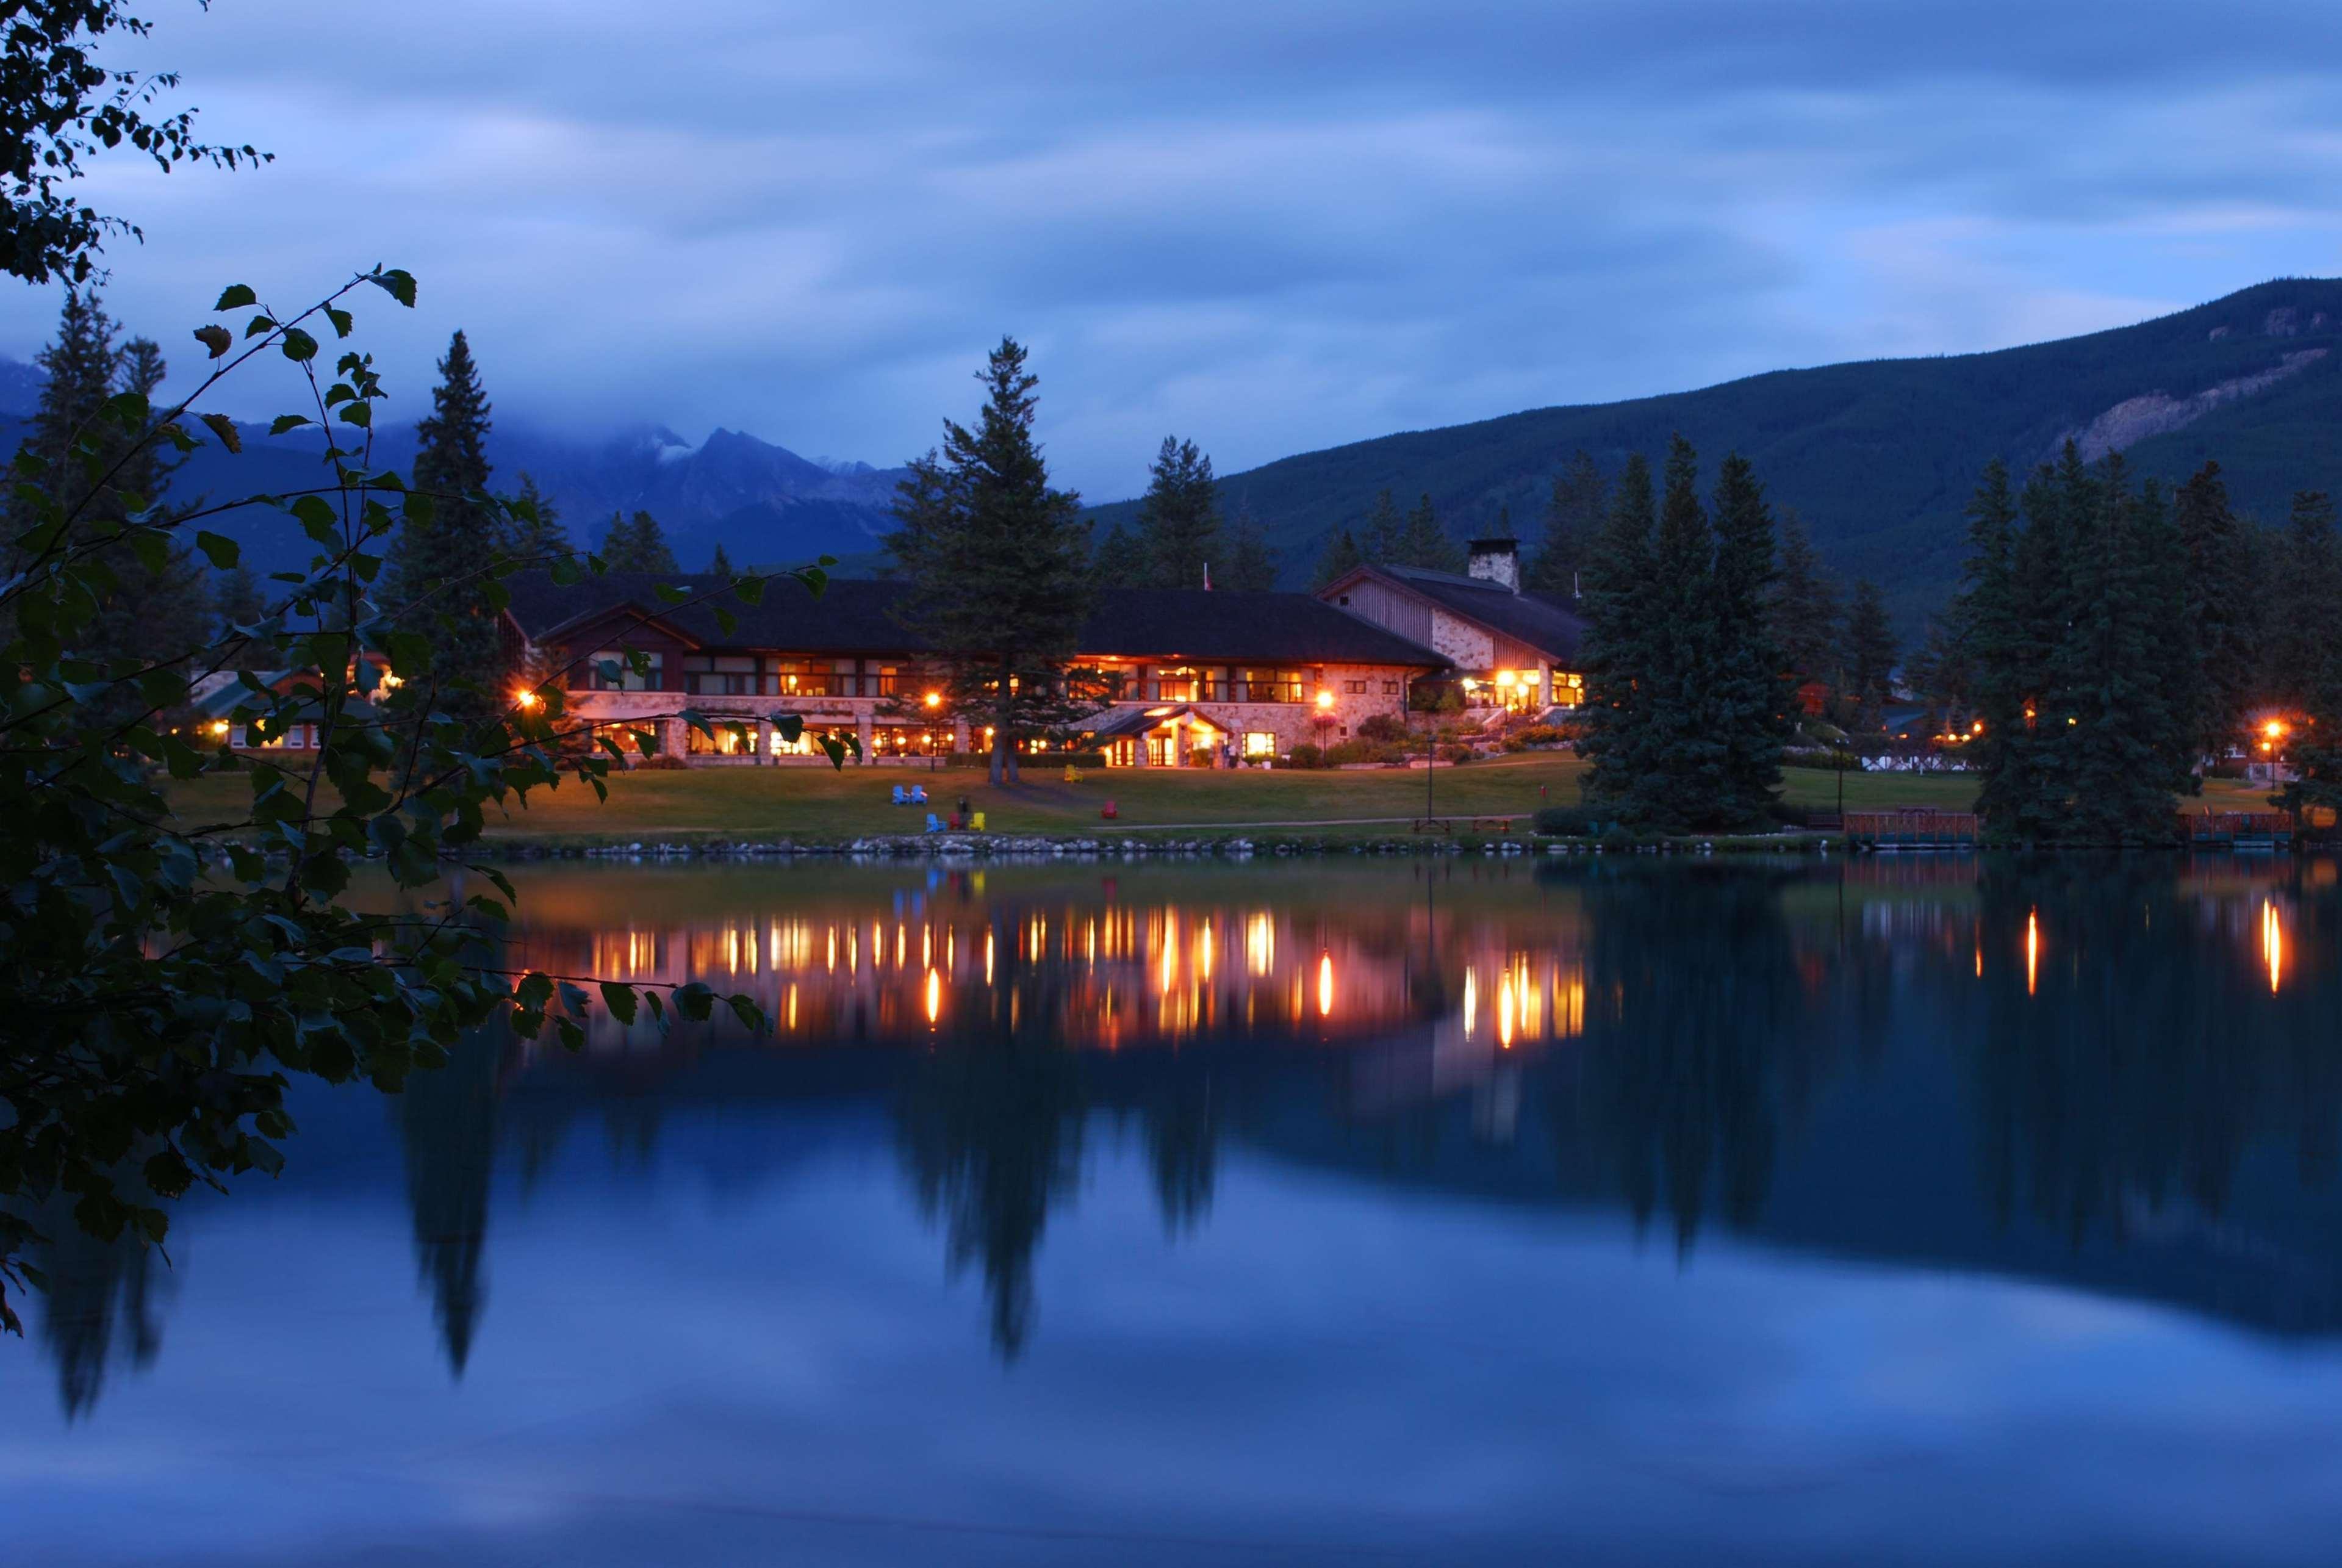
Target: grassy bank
{"x": 816, "y": 803}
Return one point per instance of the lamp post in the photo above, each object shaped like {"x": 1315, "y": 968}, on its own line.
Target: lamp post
{"x": 931, "y": 701}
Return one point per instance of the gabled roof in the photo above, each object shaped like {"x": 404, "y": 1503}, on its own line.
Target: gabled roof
{"x": 1547, "y": 624}
{"x": 852, "y": 616}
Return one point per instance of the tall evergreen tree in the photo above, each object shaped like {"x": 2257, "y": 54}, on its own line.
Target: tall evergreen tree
{"x": 1621, "y": 611}
{"x": 1342, "y": 553}
{"x": 1746, "y": 695}
{"x": 541, "y": 536}
{"x": 1252, "y": 565}
{"x": 719, "y": 564}
{"x": 2220, "y": 613}
{"x": 1805, "y": 607}
{"x": 636, "y": 544}
{"x": 1685, "y": 763}
{"x": 2303, "y": 601}
{"x": 1424, "y": 543}
{"x": 1573, "y": 516}
{"x": 2106, "y": 694}
{"x": 437, "y": 583}
{"x": 1179, "y": 516}
{"x": 998, "y": 561}
{"x": 1989, "y": 614}
{"x": 158, "y": 608}
{"x": 1119, "y": 559}
{"x": 1869, "y": 653}
{"x": 79, "y": 368}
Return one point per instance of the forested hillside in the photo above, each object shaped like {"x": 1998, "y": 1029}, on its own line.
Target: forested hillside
{"x": 1880, "y": 456}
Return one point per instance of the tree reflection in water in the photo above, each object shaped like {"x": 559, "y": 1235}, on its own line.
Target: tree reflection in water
{"x": 102, "y": 1305}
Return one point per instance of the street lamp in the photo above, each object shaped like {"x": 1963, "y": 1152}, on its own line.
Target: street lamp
{"x": 933, "y": 700}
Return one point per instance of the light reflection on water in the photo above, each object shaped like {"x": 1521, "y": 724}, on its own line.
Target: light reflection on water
{"x": 1132, "y": 1107}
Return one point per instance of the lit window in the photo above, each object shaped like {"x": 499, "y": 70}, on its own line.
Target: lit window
{"x": 1259, "y": 743}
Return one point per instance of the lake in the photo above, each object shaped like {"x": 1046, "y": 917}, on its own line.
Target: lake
{"x": 1347, "y": 1211}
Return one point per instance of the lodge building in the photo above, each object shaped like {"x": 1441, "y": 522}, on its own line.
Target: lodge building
{"x": 1194, "y": 677}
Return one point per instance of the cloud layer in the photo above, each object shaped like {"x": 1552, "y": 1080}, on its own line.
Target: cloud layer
{"x": 1269, "y": 227}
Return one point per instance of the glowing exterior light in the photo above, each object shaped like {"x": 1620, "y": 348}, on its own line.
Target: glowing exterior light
{"x": 935, "y": 700}
{"x": 2274, "y": 729}
{"x": 1977, "y": 728}
{"x": 1325, "y": 698}
{"x": 219, "y": 726}
{"x": 525, "y": 700}
{"x": 1503, "y": 678}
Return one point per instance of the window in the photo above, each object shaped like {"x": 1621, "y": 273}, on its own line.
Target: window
{"x": 1354, "y": 688}
{"x": 883, "y": 682}
{"x": 1390, "y": 688}
{"x": 627, "y": 680}
{"x": 1177, "y": 684}
{"x": 809, "y": 677}
{"x": 730, "y": 740}
{"x": 1265, "y": 686}
{"x": 624, "y": 736}
{"x": 723, "y": 675}
{"x": 1259, "y": 743}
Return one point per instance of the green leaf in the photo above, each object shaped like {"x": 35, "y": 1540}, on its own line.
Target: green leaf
{"x": 284, "y": 422}
{"x": 259, "y": 326}
{"x": 397, "y": 282}
{"x": 218, "y": 548}
{"x": 298, "y": 345}
{"x": 620, "y": 1000}
{"x": 236, "y": 297}
{"x": 789, "y": 726}
{"x": 223, "y": 426}
{"x": 695, "y": 1001}
{"x": 667, "y": 593}
{"x": 341, "y": 319}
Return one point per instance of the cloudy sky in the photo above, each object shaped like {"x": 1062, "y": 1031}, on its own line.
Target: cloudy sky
{"x": 1272, "y": 227}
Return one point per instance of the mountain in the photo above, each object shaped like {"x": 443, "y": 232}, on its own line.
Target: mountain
{"x": 1879, "y": 457}
{"x": 761, "y": 502}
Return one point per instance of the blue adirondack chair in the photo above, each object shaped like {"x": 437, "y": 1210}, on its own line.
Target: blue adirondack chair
{"x": 918, "y": 794}
{"x": 935, "y": 823}
{"x": 900, "y": 799}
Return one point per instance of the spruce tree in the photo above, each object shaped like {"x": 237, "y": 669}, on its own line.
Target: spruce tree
{"x": 1573, "y": 515}
{"x": 438, "y": 584}
{"x": 1342, "y": 555}
{"x": 636, "y": 544}
{"x": 1685, "y": 763}
{"x": 1995, "y": 646}
{"x": 1424, "y": 543}
{"x": 540, "y": 537}
{"x": 2302, "y": 606}
{"x": 2221, "y": 615}
{"x": 1179, "y": 516}
{"x": 1620, "y": 608}
{"x": 1869, "y": 653}
{"x": 1805, "y": 608}
{"x": 158, "y": 608}
{"x": 78, "y": 370}
{"x": 1746, "y": 695}
{"x": 1119, "y": 559}
{"x": 2106, "y": 695}
{"x": 998, "y": 561}
{"x": 1252, "y": 565}
{"x": 719, "y": 564}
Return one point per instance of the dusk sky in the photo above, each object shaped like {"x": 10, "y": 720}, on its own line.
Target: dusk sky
{"x": 1268, "y": 227}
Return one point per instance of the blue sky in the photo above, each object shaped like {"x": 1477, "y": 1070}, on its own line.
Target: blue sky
{"x": 1270, "y": 227}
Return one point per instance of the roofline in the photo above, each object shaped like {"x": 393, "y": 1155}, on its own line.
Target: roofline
{"x": 583, "y": 618}
{"x": 1393, "y": 580}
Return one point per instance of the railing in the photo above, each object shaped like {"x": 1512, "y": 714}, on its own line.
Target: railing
{"x": 1912, "y": 828}
{"x": 2228, "y": 826}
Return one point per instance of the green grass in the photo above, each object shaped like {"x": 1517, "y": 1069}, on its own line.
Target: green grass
{"x": 813, "y": 802}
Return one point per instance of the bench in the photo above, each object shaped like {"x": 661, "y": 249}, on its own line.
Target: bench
{"x": 1493, "y": 824}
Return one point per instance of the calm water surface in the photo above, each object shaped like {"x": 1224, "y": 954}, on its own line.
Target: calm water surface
{"x": 1310, "y": 1212}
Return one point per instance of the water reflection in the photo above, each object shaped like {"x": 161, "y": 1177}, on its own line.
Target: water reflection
{"x": 2121, "y": 1076}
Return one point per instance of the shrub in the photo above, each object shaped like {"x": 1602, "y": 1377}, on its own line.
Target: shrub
{"x": 1540, "y": 735}
{"x": 663, "y": 762}
{"x": 1305, "y": 755}
{"x": 1456, "y": 755}
{"x": 1202, "y": 756}
{"x": 1382, "y": 727}
{"x": 1564, "y": 821}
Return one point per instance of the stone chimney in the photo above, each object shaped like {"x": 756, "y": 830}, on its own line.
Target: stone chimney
{"x": 1496, "y": 561}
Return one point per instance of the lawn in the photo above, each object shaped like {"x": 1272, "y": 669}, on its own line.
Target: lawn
{"x": 812, "y": 801}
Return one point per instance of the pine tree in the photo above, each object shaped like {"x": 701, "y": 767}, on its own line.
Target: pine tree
{"x": 79, "y": 369}
{"x": 720, "y": 564}
{"x": 438, "y": 584}
{"x": 1342, "y": 555}
{"x": 540, "y": 537}
{"x": 2220, "y": 613}
{"x": 1747, "y": 689}
{"x": 1684, "y": 767}
{"x": 636, "y": 544}
{"x": 1179, "y": 516}
{"x": 1252, "y": 565}
{"x": 1119, "y": 559}
{"x": 2106, "y": 694}
{"x": 1573, "y": 515}
{"x": 1993, "y": 645}
{"x": 157, "y": 610}
{"x": 1805, "y": 608}
{"x": 1381, "y": 537}
{"x": 1869, "y": 653}
{"x": 2302, "y": 603}
{"x": 1424, "y": 543}
{"x": 998, "y": 562}
{"x": 1620, "y": 608}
